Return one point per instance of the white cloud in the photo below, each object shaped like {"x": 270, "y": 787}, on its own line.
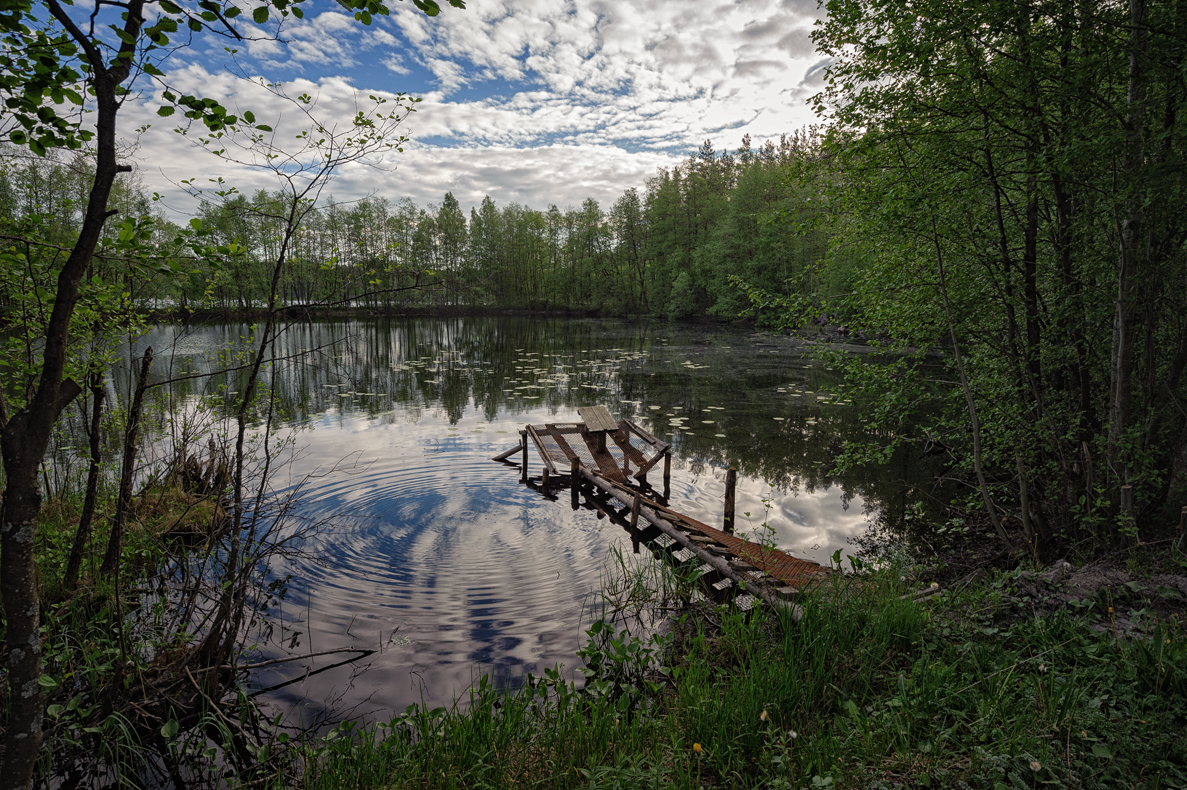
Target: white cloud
{"x": 561, "y": 174}
{"x": 395, "y": 64}
{"x": 540, "y": 101}
{"x": 330, "y": 39}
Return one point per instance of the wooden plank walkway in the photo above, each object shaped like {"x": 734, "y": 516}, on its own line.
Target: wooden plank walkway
{"x": 599, "y": 452}
{"x": 787, "y": 569}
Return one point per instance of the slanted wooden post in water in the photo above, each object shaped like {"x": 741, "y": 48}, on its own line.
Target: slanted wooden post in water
{"x": 549, "y": 467}
{"x": 731, "y": 481}
{"x": 503, "y": 456}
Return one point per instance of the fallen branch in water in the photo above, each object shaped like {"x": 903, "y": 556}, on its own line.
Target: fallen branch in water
{"x": 361, "y": 651}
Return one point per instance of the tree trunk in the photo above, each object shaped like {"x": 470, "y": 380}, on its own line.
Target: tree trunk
{"x": 83, "y": 534}
{"x": 1131, "y": 252}
{"x": 123, "y": 502}
{"x": 26, "y": 435}
{"x": 974, "y": 421}
{"x": 22, "y": 504}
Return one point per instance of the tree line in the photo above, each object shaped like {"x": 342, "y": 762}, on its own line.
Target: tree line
{"x": 667, "y": 249}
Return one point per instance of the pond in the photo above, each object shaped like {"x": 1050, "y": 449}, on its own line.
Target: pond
{"x": 438, "y": 558}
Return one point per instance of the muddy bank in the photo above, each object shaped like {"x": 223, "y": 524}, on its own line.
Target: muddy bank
{"x": 1126, "y": 596}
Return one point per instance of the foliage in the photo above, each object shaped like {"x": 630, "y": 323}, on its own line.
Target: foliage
{"x": 1005, "y": 185}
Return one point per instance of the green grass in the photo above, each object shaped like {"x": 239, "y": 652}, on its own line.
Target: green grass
{"x": 866, "y": 691}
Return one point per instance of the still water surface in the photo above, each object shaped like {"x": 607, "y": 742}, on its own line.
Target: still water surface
{"x": 440, "y": 559}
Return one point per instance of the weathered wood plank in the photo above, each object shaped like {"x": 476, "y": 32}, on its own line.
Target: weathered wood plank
{"x": 505, "y": 455}
{"x": 551, "y": 467}
{"x": 597, "y": 418}
{"x": 646, "y": 465}
{"x": 717, "y": 563}
{"x": 645, "y": 435}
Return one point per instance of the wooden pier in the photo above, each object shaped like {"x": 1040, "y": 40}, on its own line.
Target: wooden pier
{"x": 608, "y": 459}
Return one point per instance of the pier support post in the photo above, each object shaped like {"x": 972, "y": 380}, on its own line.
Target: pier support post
{"x": 523, "y": 462}
{"x": 731, "y": 482}
{"x": 635, "y": 507}
{"x": 575, "y": 480}
{"x": 667, "y": 474}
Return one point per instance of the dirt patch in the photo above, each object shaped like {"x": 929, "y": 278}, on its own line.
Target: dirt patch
{"x": 1113, "y": 598}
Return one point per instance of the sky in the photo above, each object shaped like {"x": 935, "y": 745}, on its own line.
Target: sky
{"x": 532, "y": 101}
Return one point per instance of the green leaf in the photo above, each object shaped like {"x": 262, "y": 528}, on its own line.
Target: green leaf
{"x": 170, "y": 729}
{"x": 260, "y": 15}
{"x": 166, "y": 111}
{"x": 47, "y": 682}
{"x": 1100, "y": 750}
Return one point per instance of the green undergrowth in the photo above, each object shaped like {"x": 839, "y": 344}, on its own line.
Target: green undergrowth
{"x": 162, "y": 518}
{"x": 866, "y": 690}
{"x": 106, "y": 638}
